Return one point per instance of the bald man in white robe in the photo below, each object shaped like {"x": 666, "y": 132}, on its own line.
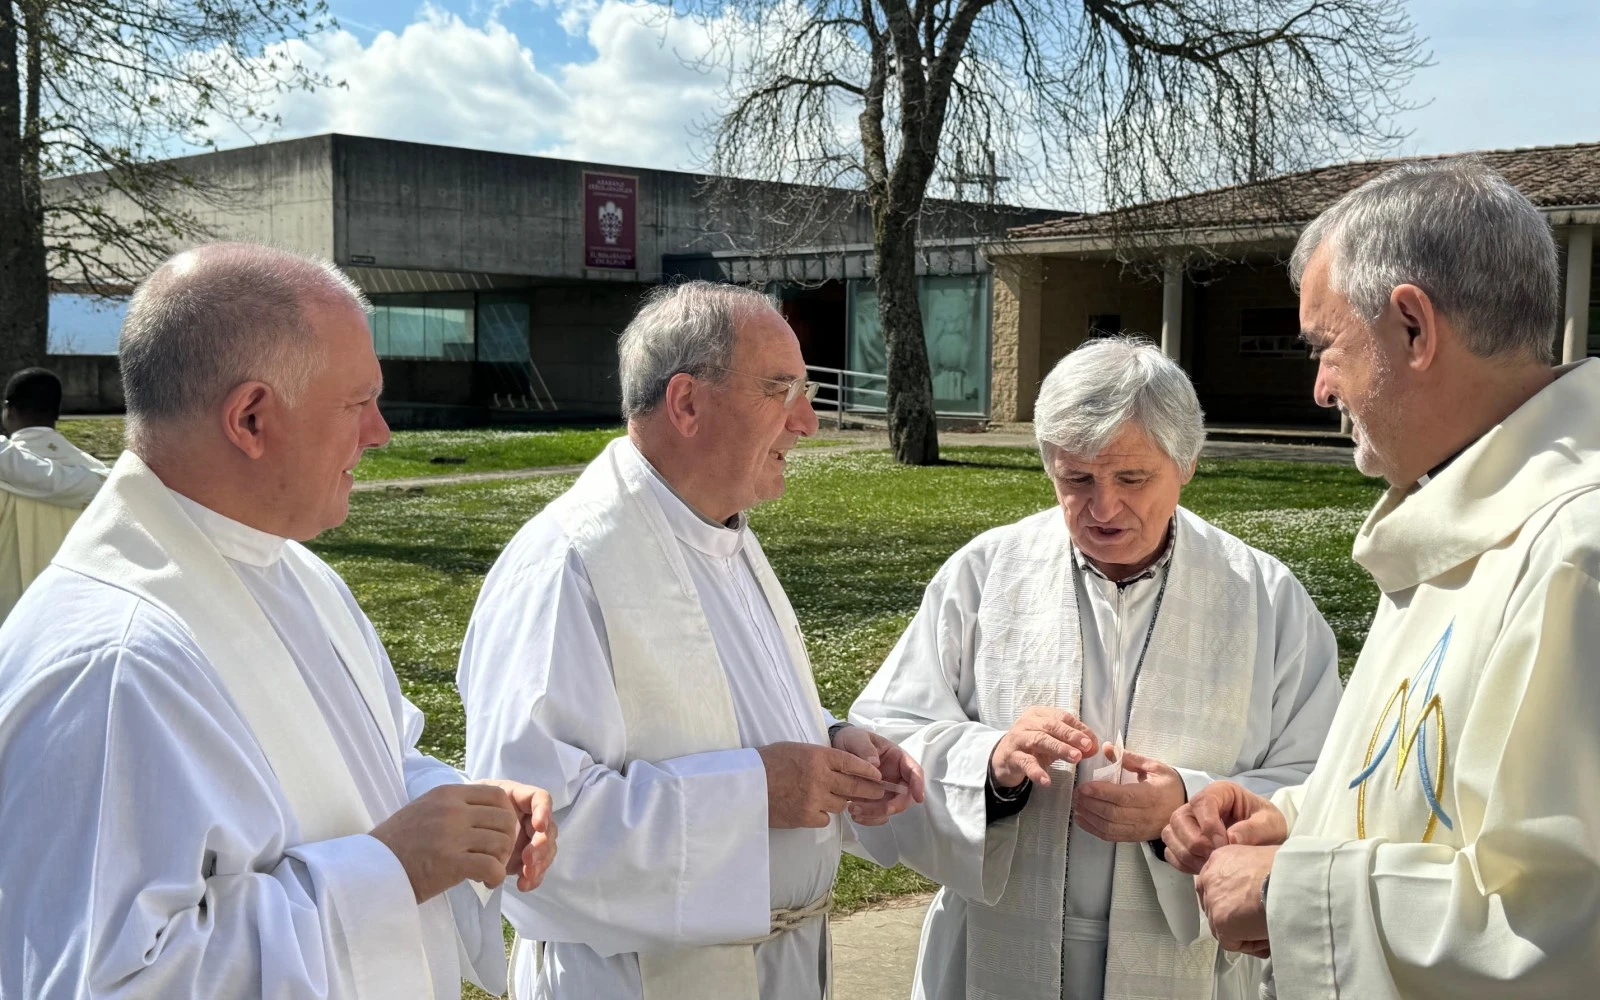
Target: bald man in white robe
{"x": 209, "y": 781}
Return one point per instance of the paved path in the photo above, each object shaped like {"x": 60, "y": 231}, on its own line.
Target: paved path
{"x": 875, "y": 951}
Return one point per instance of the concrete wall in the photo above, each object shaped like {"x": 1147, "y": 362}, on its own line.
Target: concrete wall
{"x": 90, "y": 383}
{"x": 280, "y": 193}
{"x": 410, "y": 205}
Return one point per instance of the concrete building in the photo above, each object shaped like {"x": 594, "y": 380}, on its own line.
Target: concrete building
{"x": 500, "y": 282}
{"x": 1205, "y": 276}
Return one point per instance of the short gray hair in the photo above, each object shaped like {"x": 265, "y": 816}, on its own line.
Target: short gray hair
{"x": 1459, "y": 231}
{"x": 1112, "y": 382}
{"x": 682, "y": 328}
{"x": 216, "y": 316}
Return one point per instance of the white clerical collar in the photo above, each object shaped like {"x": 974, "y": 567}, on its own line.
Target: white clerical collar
{"x": 234, "y": 540}
{"x": 1085, "y": 565}
{"x": 692, "y": 527}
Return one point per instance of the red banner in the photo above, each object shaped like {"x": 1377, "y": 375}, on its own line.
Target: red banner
{"x": 610, "y": 229}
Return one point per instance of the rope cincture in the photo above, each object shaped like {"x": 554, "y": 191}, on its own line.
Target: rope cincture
{"x": 784, "y": 921}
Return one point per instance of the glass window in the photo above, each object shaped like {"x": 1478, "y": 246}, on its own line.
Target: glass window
{"x": 85, "y": 324}
{"x": 504, "y": 323}
{"x": 955, "y": 314}
{"x": 1271, "y": 332}
{"x": 433, "y": 325}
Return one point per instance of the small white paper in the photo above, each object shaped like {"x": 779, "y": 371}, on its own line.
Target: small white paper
{"x": 1113, "y": 772}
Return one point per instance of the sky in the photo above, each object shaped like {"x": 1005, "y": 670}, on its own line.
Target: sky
{"x": 606, "y": 80}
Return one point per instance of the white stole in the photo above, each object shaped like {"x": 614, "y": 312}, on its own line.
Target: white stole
{"x": 670, "y": 682}
{"x": 1190, "y": 696}
{"x": 136, "y": 538}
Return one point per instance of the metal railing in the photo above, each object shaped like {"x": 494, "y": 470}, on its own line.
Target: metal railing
{"x": 841, "y": 392}
{"x": 837, "y": 394}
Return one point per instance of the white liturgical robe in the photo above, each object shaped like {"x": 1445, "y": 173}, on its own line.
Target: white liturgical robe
{"x": 150, "y": 849}
{"x": 658, "y": 855}
{"x": 1240, "y": 679}
{"x": 45, "y": 482}
{"x": 1448, "y": 842}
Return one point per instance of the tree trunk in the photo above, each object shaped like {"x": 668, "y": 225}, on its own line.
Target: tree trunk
{"x": 913, "y": 433}
{"x": 24, "y": 278}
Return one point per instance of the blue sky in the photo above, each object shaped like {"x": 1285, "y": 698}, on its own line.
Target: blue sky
{"x": 593, "y": 79}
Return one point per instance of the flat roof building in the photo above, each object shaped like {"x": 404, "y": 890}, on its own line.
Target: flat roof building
{"x": 500, "y": 282}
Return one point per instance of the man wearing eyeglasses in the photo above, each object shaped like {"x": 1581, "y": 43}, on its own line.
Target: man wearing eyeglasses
{"x": 633, "y": 653}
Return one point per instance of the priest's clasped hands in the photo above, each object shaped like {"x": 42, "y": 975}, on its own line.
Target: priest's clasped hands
{"x": 1227, "y": 837}
{"x": 808, "y": 784}
{"x": 481, "y": 831}
{"x": 1131, "y": 811}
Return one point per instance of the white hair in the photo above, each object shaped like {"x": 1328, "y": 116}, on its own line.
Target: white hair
{"x": 1113, "y": 382}
{"x": 1459, "y": 231}
{"x": 212, "y": 318}
{"x": 682, "y": 328}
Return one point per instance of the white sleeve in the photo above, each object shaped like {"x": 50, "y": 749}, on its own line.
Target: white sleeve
{"x": 1516, "y": 908}
{"x": 924, "y": 699}
{"x": 164, "y": 872}
{"x": 653, "y": 856}
{"x": 28, "y": 475}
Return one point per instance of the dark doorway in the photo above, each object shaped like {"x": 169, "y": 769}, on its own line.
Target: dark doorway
{"x": 817, "y": 314}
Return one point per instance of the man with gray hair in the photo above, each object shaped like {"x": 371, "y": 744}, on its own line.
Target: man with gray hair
{"x": 209, "y": 781}
{"x": 1069, "y": 681}
{"x": 1447, "y": 843}
{"x": 633, "y": 652}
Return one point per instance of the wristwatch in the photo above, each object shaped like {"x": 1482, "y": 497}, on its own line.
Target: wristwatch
{"x": 833, "y": 731}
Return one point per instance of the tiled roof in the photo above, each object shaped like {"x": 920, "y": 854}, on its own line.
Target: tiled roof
{"x": 1551, "y": 177}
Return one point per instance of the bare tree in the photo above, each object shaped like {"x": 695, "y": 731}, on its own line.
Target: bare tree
{"x": 105, "y": 90}
{"x": 1096, "y": 104}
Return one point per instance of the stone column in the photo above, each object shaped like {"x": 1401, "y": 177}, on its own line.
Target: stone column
{"x": 1172, "y": 309}
{"x": 1580, "y": 251}
{"x": 1014, "y": 369}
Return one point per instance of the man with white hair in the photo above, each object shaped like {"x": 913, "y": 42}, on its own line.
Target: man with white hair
{"x": 1447, "y": 843}
{"x": 633, "y": 652}
{"x": 209, "y": 782}
{"x": 1069, "y": 681}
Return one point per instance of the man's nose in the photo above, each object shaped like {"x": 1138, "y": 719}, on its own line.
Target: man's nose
{"x": 802, "y": 417}
{"x": 374, "y": 429}
{"x": 1103, "y": 503}
{"x": 1322, "y": 390}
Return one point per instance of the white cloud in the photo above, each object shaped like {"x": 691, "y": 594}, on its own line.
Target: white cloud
{"x": 639, "y": 100}
{"x": 442, "y": 80}
{"x": 439, "y": 80}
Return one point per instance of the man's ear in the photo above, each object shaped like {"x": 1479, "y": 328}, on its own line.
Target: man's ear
{"x": 1419, "y": 325}
{"x": 683, "y": 403}
{"x": 243, "y": 412}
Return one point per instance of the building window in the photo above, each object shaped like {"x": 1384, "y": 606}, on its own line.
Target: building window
{"x": 955, "y": 327}
{"x": 1271, "y": 333}
{"x": 1105, "y": 325}
{"x": 504, "y": 322}
{"x": 437, "y": 326}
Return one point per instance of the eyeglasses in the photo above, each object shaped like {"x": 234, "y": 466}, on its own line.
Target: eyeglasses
{"x": 793, "y": 388}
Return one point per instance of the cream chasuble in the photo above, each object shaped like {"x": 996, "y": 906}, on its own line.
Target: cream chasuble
{"x": 1240, "y": 678}
{"x": 1448, "y": 842}
{"x": 34, "y": 522}
{"x": 218, "y": 839}
{"x": 591, "y": 667}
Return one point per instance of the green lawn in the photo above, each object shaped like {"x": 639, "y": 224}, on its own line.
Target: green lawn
{"x": 416, "y": 454}
{"x": 854, "y": 542}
